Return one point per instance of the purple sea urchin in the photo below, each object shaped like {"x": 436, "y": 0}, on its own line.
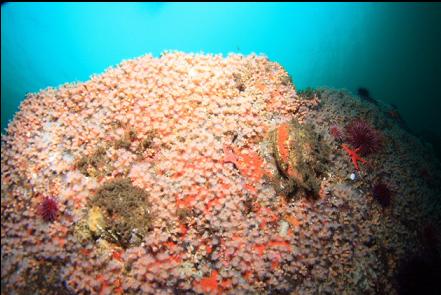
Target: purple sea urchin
{"x": 48, "y": 209}
{"x": 362, "y": 135}
{"x": 382, "y": 194}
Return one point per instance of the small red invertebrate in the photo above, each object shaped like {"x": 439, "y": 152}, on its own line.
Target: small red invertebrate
{"x": 48, "y": 209}
{"x": 336, "y": 132}
{"x": 354, "y": 156}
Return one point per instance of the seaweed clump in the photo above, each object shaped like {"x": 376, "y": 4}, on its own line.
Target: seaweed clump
{"x": 126, "y": 141}
{"x": 95, "y": 165}
{"x": 239, "y": 81}
{"x": 308, "y": 93}
{"x": 301, "y": 159}
{"x": 125, "y": 212}
{"x": 286, "y": 80}
{"x": 145, "y": 143}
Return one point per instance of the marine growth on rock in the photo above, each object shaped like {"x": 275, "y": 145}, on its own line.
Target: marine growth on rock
{"x": 206, "y": 174}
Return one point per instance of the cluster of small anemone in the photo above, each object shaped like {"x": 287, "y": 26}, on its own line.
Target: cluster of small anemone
{"x": 217, "y": 226}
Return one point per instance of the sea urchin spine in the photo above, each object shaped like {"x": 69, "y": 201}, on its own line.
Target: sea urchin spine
{"x": 336, "y": 133}
{"x": 362, "y": 135}
{"x": 48, "y": 209}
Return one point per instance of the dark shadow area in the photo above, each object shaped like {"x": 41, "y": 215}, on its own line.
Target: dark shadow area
{"x": 433, "y": 139}
{"x": 420, "y": 273}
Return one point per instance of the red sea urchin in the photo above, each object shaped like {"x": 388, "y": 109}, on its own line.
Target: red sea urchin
{"x": 336, "y": 133}
{"x": 382, "y": 194}
{"x": 362, "y": 135}
{"x": 48, "y": 209}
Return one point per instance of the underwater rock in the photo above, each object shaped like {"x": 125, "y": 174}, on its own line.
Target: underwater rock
{"x": 364, "y": 94}
{"x": 220, "y": 165}
{"x": 382, "y": 194}
{"x": 301, "y": 159}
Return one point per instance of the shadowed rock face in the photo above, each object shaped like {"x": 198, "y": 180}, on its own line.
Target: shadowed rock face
{"x": 364, "y": 94}
{"x": 419, "y": 274}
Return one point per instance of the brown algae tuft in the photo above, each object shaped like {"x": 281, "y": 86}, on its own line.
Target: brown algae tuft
{"x": 126, "y": 216}
{"x": 94, "y": 165}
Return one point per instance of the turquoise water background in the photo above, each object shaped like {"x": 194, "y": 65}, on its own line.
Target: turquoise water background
{"x": 394, "y": 50}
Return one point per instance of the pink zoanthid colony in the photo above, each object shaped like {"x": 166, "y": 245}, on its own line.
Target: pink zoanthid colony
{"x": 186, "y": 173}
